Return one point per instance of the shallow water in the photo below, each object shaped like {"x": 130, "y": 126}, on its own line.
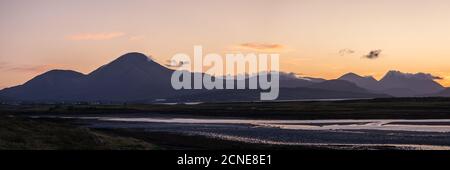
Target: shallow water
{"x": 391, "y": 125}
{"x": 404, "y": 134}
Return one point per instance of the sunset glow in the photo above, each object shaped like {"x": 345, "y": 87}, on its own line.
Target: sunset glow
{"x": 317, "y": 38}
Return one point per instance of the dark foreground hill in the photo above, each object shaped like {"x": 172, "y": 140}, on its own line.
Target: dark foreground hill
{"x": 134, "y": 77}
{"x": 26, "y": 134}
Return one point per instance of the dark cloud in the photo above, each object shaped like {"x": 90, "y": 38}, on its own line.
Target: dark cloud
{"x": 346, "y": 51}
{"x": 374, "y": 54}
{"x": 438, "y": 78}
{"x": 428, "y": 76}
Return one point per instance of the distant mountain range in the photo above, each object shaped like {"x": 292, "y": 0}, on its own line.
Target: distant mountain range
{"x": 134, "y": 77}
{"x": 444, "y": 93}
{"x": 398, "y": 84}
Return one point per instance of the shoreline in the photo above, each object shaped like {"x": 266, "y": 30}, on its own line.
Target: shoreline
{"x": 257, "y": 136}
{"x": 178, "y": 141}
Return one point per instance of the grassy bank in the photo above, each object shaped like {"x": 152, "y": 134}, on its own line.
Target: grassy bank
{"x": 395, "y": 108}
{"x": 25, "y": 134}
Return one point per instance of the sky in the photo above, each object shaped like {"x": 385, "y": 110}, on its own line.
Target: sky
{"x": 317, "y": 38}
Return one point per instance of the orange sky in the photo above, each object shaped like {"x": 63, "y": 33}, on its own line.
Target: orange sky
{"x": 36, "y": 36}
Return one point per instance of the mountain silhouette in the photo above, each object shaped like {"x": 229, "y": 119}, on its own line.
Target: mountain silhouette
{"x": 417, "y": 84}
{"x": 368, "y": 82}
{"x": 130, "y": 77}
{"x": 444, "y": 93}
{"x": 398, "y": 84}
{"x": 299, "y": 93}
{"x": 339, "y": 85}
{"x": 134, "y": 77}
{"x": 54, "y": 84}
{"x": 290, "y": 80}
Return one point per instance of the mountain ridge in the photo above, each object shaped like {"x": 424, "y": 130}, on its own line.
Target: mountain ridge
{"x": 136, "y": 77}
{"x": 397, "y": 83}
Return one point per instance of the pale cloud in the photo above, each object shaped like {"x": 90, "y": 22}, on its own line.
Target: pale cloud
{"x": 95, "y": 36}
{"x": 24, "y": 68}
{"x": 261, "y": 46}
{"x": 136, "y": 38}
{"x": 30, "y": 68}
{"x": 2, "y": 65}
{"x": 265, "y": 47}
{"x": 346, "y": 51}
